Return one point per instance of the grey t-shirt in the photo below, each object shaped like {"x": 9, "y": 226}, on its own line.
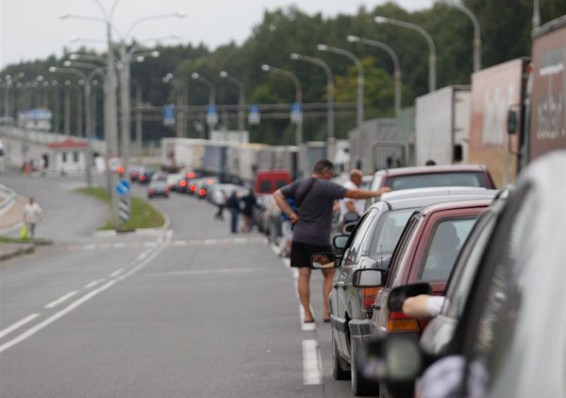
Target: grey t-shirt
{"x": 315, "y": 212}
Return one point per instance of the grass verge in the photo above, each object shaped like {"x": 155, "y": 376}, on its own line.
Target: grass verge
{"x": 142, "y": 214}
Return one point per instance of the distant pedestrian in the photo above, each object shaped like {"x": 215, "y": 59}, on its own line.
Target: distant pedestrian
{"x": 286, "y": 230}
{"x": 220, "y": 200}
{"x": 312, "y": 222}
{"x": 352, "y": 209}
{"x": 32, "y": 215}
{"x": 233, "y": 204}
{"x": 250, "y": 203}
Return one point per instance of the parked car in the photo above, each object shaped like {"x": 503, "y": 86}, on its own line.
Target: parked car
{"x": 504, "y": 337}
{"x": 370, "y": 245}
{"x": 145, "y": 175}
{"x": 426, "y": 252}
{"x": 432, "y": 176}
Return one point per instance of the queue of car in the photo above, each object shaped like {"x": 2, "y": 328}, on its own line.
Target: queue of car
{"x": 498, "y": 259}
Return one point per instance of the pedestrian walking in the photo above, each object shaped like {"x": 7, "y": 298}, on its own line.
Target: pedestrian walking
{"x": 233, "y": 204}
{"x": 286, "y": 230}
{"x": 220, "y": 200}
{"x": 32, "y": 215}
{"x": 312, "y": 223}
{"x": 250, "y": 203}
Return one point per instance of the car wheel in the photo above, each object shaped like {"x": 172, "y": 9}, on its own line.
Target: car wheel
{"x": 360, "y": 385}
{"x": 338, "y": 371}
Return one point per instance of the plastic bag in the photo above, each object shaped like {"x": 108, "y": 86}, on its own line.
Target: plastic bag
{"x": 24, "y": 232}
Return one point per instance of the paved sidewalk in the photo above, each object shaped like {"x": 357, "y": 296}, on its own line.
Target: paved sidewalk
{"x": 11, "y": 220}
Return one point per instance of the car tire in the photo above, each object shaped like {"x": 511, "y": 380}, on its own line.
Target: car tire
{"x": 338, "y": 371}
{"x": 361, "y": 386}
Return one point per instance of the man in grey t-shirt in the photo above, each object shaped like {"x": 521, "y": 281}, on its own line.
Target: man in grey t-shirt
{"x": 315, "y": 197}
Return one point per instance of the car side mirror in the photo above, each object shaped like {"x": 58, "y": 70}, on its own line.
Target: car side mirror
{"x": 339, "y": 241}
{"x": 398, "y": 294}
{"x": 323, "y": 260}
{"x": 394, "y": 360}
{"x": 349, "y": 227}
{"x": 367, "y": 277}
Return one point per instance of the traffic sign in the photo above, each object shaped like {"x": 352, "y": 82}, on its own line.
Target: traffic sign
{"x": 254, "y": 116}
{"x": 122, "y": 187}
{"x": 114, "y": 162}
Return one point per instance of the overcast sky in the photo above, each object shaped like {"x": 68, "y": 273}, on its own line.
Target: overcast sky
{"x": 32, "y": 29}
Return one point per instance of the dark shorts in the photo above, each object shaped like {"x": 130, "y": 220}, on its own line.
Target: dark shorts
{"x": 301, "y": 253}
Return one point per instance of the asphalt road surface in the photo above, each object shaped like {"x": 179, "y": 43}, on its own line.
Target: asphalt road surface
{"x": 187, "y": 311}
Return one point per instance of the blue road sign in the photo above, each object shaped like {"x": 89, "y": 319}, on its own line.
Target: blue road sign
{"x": 122, "y": 187}
{"x": 169, "y": 115}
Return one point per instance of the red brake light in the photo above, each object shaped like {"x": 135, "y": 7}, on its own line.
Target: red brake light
{"x": 202, "y": 192}
{"x": 120, "y": 170}
{"x": 193, "y": 188}
{"x": 209, "y": 181}
{"x": 183, "y": 183}
{"x": 190, "y": 175}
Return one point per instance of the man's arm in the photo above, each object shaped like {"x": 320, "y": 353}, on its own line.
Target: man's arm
{"x": 365, "y": 194}
{"x": 284, "y": 206}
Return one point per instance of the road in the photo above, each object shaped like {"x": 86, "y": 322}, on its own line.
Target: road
{"x": 188, "y": 311}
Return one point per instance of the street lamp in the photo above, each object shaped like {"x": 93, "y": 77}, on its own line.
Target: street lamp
{"x": 477, "y": 33}
{"x": 241, "y": 97}
{"x": 360, "y": 100}
{"x": 396, "y": 65}
{"x": 211, "y": 116}
{"x": 182, "y": 101}
{"x": 298, "y": 98}
{"x": 329, "y": 97}
{"x": 431, "y": 46}
{"x": 87, "y": 89}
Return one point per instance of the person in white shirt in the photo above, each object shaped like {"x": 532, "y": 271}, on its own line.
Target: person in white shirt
{"x": 32, "y": 215}
{"x": 349, "y": 205}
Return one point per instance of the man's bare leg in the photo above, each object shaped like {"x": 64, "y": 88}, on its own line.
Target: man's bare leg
{"x": 304, "y": 291}
{"x": 326, "y": 290}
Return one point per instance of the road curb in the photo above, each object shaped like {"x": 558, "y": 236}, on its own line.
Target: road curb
{"x": 25, "y": 248}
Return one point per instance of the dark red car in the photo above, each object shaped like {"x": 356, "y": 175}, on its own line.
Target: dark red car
{"x": 426, "y": 252}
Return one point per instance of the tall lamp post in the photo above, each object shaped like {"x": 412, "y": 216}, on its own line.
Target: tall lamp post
{"x": 430, "y": 42}
{"x": 182, "y": 101}
{"x": 211, "y": 118}
{"x": 298, "y": 97}
{"x": 396, "y": 65}
{"x": 241, "y": 98}
{"x": 329, "y": 98}
{"x": 87, "y": 88}
{"x": 477, "y": 32}
{"x": 360, "y": 100}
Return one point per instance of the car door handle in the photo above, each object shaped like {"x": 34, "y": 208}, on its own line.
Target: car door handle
{"x": 339, "y": 284}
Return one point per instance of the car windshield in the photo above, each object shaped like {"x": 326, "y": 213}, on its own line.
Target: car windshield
{"x": 387, "y": 233}
{"x": 446, "y": 242}
{"x": 464, "y": 179}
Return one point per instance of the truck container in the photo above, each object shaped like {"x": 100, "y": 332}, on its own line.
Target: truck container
{"x": 547, "y": 97}
{"x": 496, "y": 91}
{"x": 379, "y": 145}
{"x": 442, "y": 120}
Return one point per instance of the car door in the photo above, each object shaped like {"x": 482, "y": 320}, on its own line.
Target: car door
{"x": 342, "y": 289}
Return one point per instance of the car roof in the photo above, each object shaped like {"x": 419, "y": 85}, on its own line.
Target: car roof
{"x": 452, "y": 205}
{"x": 432, "y": 169}
{"x": 419, "y": 197}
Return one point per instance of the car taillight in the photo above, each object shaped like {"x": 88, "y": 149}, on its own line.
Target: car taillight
{"x": 152, "y": 191}
{"x": 183, "y": 183}
{"x": 399, "y": 322}
{"x": 193, "y": 188}
{"x": 142, "y": 177}
{"x": 190, "y": 175}
{"x": 368, "y": 297}
{"x": 202, "y": 192}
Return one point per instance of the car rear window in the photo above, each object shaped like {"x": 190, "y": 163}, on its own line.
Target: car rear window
{"x": 445, "y": 244}
{"x": 387, "y": 234}
{"x": 463, "y": 179}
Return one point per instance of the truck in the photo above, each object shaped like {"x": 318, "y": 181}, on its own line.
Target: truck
{"x": 495, "y": 92}
{"x": 546, "y": 92}
{"x": 442, "y": 124}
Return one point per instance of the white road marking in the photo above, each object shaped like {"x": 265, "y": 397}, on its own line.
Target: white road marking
{"x": 30, "y": 332}
{"x": 89, "y": 247}
{"x": 120, "y": 245}
{"x": 312, "y": 368}
{"x": 210, "y": 241}
{"x": 93, "y": 283}
{"x": 61, "y": 299}
{"x": 180, "y": 243}
{"x": 18, "y": 324}
{"x": 116, "y": 273}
